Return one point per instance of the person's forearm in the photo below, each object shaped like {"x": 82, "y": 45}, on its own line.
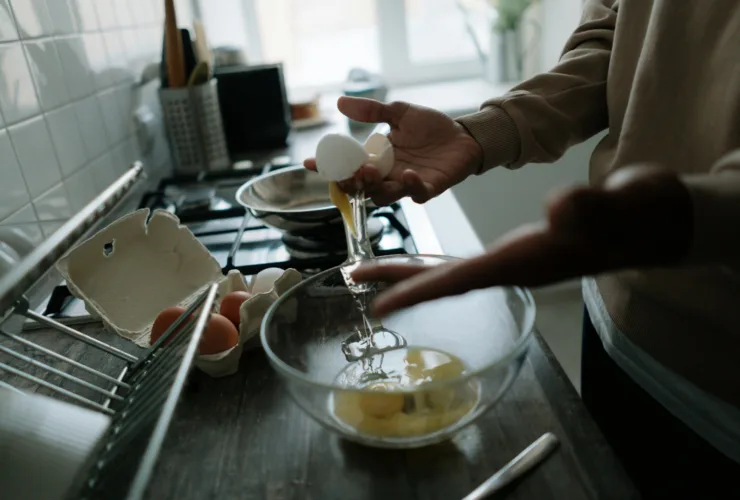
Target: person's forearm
{"x": 538, "y": 120}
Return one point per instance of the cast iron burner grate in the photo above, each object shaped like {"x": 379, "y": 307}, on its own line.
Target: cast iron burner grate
{"x": 328, "y": 240}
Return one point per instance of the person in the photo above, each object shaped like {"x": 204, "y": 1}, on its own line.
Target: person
{"x": 656, "y": 234}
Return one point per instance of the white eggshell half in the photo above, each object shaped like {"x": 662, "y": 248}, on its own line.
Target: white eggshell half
{"x": 265, "y": 280}
{"x": 338, "y": 157}
{"x": 381, "y": 151}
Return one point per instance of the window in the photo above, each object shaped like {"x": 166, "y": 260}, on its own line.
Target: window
{"x": 425, "y": 21}
{"x": 319, "y": 41}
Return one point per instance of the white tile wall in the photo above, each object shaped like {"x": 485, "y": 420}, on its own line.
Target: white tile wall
{"x": 32, "y": 17}
{"x": 97, "y": 59}
{"x": 106, "y": 14}
{"x": 86, "y": 15}
{"x": 47, "y": 74}
{"x": 13, "y": 192}
{"x": 102, "y": 171}
{"x": 35, "y": 153}
{"x": 17, "y": 95}
{"x": 80, "y": 188}
{"x": 115, "y": 122}
{"x": 53, "y": 205}
{"x": 62, "y": 17}
{"x": 22, "y": 231}
{"x": 92, "y": 126}
{"x": 124, "y": 16}
{"x": 78, "y": 76}
{"x": 7, "y": 26}
{"x": 146, "y": 12}
{"x": 67, "y": 91}
{"x": 67, "y": 139}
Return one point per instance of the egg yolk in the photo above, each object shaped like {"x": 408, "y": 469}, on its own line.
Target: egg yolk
{"x": 341, "y": 201}
{"x": 384, "y": 404}
{"x": 381, "y": 410}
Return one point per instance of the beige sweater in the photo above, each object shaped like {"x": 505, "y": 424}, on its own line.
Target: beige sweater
{"x": 663, "y": 76}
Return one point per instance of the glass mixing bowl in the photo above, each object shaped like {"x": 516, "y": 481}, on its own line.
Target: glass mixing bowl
{"x": 333, "y": 356}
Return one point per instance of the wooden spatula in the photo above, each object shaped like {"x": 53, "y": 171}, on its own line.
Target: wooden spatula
{"x": 174, "y": 54}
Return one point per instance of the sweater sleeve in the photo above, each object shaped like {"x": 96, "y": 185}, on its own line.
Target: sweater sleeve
{"x": 538, "y": 120}
{"x": 716, "y": 207}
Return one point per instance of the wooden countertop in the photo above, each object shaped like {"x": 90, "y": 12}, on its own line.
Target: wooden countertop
{"x": 242, "y": 437}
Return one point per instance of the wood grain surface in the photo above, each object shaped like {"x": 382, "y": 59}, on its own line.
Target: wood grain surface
{"x": 243, "y": 437}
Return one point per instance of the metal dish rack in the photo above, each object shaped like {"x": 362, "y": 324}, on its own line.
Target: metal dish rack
{"x": 140, "y": 399}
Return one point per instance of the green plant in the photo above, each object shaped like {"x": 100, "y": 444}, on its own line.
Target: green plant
{"x": 509, "y": 13}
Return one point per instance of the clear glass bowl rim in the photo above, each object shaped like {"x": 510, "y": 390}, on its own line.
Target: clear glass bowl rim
{"x": 520, "y": 346}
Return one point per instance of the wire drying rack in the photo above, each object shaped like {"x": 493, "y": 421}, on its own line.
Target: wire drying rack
{"x": 138, "y": 393}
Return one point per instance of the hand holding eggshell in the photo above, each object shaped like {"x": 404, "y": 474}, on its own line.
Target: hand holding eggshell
{"x": 380, "y": 150}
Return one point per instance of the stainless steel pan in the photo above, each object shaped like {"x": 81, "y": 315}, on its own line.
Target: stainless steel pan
{"x": 291, "y": 199}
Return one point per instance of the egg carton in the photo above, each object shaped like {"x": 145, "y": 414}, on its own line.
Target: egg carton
{"x": 265, "y": 289}
{"x": 137, "y": 266}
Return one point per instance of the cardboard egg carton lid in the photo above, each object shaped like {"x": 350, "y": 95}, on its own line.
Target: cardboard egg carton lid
{"x": 131, "y": 270}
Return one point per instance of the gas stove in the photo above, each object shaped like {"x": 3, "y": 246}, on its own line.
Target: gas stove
{"x": 206, "y": 204}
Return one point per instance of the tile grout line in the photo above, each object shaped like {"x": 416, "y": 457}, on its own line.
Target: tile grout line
{"x": 117, "y": 86}
{"x": 87, "y": 165}
{"x": 66, "y": 36}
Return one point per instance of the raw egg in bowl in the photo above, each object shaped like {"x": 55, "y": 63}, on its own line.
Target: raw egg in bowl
{"x": 411, "y": 379}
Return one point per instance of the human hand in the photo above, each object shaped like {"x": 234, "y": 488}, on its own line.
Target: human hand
{"x": 641, "y": 217}
{"x": 432, "y": 151}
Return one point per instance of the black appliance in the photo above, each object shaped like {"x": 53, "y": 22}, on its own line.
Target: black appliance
{"x": 254, "y": 107}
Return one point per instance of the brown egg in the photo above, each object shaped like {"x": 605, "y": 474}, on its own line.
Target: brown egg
{"x": 163, "y": 322}
{"x": 220, "y": 335}
{"x": 231, "y": 303}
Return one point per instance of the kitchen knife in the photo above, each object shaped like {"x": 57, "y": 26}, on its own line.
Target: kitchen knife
{"x": 188, "y": 52}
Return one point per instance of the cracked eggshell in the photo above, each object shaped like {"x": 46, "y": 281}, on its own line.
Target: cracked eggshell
{"x": 381, "y": 153}
{"x": 130, "y": 271}
{"x": 253, "y": 310}
{"x": 339, "y": 156}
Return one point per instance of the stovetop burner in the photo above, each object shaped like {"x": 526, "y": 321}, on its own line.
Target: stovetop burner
{"x": 329, "y": 240}
{"x": 206, "y": 204}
